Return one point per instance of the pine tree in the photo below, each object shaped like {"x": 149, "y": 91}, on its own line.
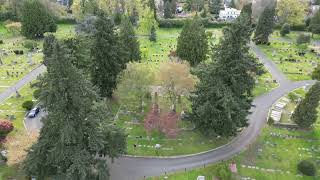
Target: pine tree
{"x": 129, "y": 40}
{"x": 153, "y": 34}
{"x": 108, "y": 56}
{"x": 167, "y": 10}
{"x": 77, "y": 131}
{"x": 306, "y": 112}
{"x": 193, "y": 43}
{"x": 246, "y": 18}
{"x": 215, "y": 6}
{"x": 36, "y": 20}
{"x": 265, "y": 26}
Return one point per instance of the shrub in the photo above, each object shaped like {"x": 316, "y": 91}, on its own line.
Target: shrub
{"x": 5, "y": 128}
{"x": 307, "y": 168}
{"x": 29, "y": 44}
{"x": 285, "y": 29}
{"x": 28, "y": 105}
{"x": 37, "y": 93}
{"x": 303, "y": 38}
{"x": 270, "y": 121}
{"x": 1, "y": 41}
{"x": 179, "y": 23}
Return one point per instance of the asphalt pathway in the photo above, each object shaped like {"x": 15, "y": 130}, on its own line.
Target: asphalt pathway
{"x": 136, "y": 168}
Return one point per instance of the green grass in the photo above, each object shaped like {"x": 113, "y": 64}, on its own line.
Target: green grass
{"x": 265, "y": 84}
{"x": 296, "y": 71}
{"x": 270, "y": 152}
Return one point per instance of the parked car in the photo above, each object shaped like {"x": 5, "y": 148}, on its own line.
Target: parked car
{"x": 34, "y": 112}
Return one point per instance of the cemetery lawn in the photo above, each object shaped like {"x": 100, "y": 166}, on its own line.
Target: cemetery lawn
{"x": 14, "y": 67}
{"x": 12, "y": 106}
{"x": 265, "y": 84}
{"x": 299, "y": 67}
{"x": 273, "y": 156}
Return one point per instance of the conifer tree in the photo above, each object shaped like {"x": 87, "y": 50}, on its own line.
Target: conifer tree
{"x": 167, "y": 10}
{"x": 48, "y": 47}
{"x": 222, "y": 99}
{"x": 193, "y": 43}
{"x": 36, "y": 20}
{"x": 306, "y": 112}
{"x": 265, "y": 26}
{"x": 215, "y": 6}
{"x": 78, "y": 131}
{"x": 129, "y": 40}
{"x": 153, "y": 34}
{"x": 108, "y": 56}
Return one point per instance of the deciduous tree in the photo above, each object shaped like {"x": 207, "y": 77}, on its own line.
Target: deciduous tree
{"x": 292, "y": 12}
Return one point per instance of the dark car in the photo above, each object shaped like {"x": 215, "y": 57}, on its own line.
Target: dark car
{"x": 34, "y": 112}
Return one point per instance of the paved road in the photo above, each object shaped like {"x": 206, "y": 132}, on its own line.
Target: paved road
{"x": 135, "y": 168}
{"x": 25, "y": 80}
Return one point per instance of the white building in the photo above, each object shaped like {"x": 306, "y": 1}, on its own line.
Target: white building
{"x": 229, "y": 14}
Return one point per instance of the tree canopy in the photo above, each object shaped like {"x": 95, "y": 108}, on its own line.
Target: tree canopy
{"x": 36, "y": 19}
{"x": 265, "y": 26}
{"x": 292, "y": 12}
{"x": 78, "y": 130}
{"x": 193, "y": 42}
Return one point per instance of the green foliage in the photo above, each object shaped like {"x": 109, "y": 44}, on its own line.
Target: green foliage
{"x": 307, "y": 168}
{"x": 28, "y": 105}
{"x": 303, "y": 39}
{"x": 108, "y": 56}
{"x": 222, "y": 99}
{"x": 291, "y": 11}
{"x": 285, "y": 29}
{"x": 29, "y": 44}
{"x": 215, "y": 6}
{"x": 316, "y": 73}
{"x": 5, "y": 128}
{"x": 36, "y": 20}
{"x": 153, "y": 34}
{"x": 180, "y": 22}
{"x": 78, "y": 127}
{"x": 223, "y": 172}
{"x": 48, "y": 47}
{"x": 129, "y": 40}
{"x": 37, "y": 93}
{"x": 265, "y": 26}
{"x": 306, "y": 112}
{"x": 167, "y": 10}
{"x": 193, "y": 42}
{"x": 314, "y": 26}
{"x": 270, "y": 121}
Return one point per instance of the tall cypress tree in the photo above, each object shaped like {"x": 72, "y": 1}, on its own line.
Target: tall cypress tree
{"x": 193, "y": 42}
{"x": 48, "y": 47}
{"x": 265, "y": 26}
{"x": 129, "y": 40}
{"x": 306, "y": 112}
{"x": 108, "y": 56}
{"x": 215, "y": 6}
{"x": 77, "y": 132}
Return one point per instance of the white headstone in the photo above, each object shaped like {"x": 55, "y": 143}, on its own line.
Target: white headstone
{"x": 201, "y": 178}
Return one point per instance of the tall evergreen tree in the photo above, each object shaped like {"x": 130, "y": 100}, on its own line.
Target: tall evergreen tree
{"x": 193, "y": 43}
{"x": 77, "y": 132}
{"x": 153, "y": 34}
{"x": 222, "y": 100}
{"x": 215, "y": 6}
{"x": 108, "y": 56}
{"x": 129, "y": 40}
{"x": 314, "y": 26}
{"x": 265, "y": 26}
{"x": 48, "y": 47}
{"x": 36, "y": 20}
{"x": 167, "y": 10}
{"x": 306, "y": 112}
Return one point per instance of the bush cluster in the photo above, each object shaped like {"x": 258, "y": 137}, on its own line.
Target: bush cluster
{"x": 307, "y": 168}
{"x": 18, "y": 52}
{"x": 303, "y": 39}
{"x": 179, "y": 23}
{"x": 5, "y": 128}
{"x": 27, "y": 105}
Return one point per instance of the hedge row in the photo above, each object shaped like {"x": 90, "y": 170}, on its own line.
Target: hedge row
{"x": 66, "y": 20}
{"x": 301, "y": 27}
{"x": 179, "y": 23}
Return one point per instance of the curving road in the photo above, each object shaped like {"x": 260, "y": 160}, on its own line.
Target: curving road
{"x": 136, "y": 168}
